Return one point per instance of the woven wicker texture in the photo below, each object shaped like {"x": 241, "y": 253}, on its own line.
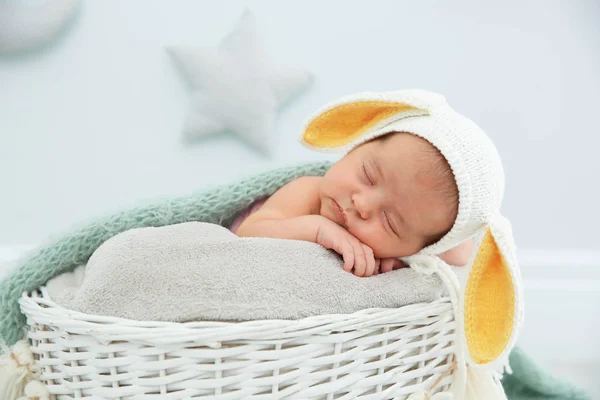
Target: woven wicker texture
{"x": 372, "y": 354}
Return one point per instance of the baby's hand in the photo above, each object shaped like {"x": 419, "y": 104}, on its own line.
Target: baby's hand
{"x": 388, "y": 264}
{"x": 358, "y": 257}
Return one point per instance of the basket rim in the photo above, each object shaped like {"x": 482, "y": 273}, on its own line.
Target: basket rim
{"x": 39, "y": 307}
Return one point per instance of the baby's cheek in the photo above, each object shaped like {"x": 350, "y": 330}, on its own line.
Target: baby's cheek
{"x": 382, "y": 247}
{"x": 382, "y": 243}
{"x": 388, "y": 247}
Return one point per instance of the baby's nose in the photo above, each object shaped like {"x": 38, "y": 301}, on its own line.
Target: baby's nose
{"x": 362, "y": 205}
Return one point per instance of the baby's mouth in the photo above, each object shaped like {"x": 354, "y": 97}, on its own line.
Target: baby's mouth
{"x": 340, "y": 214}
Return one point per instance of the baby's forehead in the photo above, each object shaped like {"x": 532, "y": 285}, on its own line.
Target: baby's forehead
{"x": 415, "y": 164}
{"x": 407, "y": 151}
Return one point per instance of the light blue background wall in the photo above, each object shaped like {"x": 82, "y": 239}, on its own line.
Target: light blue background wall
{"x": 91, "y": 125}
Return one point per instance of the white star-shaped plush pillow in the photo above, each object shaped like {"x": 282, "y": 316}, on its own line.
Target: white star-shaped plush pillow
{"x": 236, "y": 87}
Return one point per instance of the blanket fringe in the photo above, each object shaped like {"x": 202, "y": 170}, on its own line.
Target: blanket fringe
{"x": 18, "y": 374}
{"x": 483, "y": 383}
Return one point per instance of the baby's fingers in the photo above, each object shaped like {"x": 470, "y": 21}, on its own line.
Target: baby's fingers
{"x": 399, "y": 264}
{"x": 348, "y": 256}
{"x": 386, "y": 265}
{"x": 360, "y": 261}
{"x": 370, "y": 263}
{"x": 389, "y": 264}
{"x": 377, "y": 266}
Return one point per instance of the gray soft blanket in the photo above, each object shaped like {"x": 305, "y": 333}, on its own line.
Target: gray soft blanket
{"x": 200, "y": 271}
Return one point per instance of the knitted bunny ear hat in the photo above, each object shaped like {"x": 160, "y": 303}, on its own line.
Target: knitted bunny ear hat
{"x": 494, "y": 279}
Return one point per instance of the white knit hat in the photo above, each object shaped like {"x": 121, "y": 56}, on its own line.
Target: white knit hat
{"x": 491, "y": 304}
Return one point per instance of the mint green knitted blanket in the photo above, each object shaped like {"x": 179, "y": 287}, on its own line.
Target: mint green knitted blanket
{"x": 217, "y": 205}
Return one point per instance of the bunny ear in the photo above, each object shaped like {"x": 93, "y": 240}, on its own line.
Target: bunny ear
{"x": 493, "y": 306}
{"x": 346, "y": 123}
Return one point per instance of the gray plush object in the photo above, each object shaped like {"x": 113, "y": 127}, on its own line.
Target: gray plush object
{"x": 200, "y": 271}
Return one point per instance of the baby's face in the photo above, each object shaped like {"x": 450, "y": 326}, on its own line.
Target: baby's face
{"x": 387, "y": 196}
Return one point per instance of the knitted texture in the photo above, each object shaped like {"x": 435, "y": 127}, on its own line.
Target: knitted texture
{"x": 488, "y": 316}
{"x": 346, "y": 123}
{"x": 217, "y": 205}
{"x": 472, "y": 156}
{"x": 529, "y": 381}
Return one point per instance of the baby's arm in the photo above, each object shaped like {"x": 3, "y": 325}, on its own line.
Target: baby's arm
{"x": 288, "y": 213}
{"x": 293, "y": 213}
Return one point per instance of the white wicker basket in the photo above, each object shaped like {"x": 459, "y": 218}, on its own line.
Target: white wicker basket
{"x": 372, "y": 354}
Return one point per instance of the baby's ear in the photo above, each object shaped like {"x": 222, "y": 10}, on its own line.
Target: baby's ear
{"x": 493, "y": 308}
{"x": 338, "y": 126}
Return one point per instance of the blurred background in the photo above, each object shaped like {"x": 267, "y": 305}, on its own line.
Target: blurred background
{"x": 91, "y": 122}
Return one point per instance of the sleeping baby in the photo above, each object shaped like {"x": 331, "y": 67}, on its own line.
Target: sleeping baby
{"x": 387, "y": 198}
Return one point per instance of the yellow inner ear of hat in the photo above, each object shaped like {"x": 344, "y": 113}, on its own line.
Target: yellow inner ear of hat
{"x": 344, "y": 124}
{"x": 489, "y": 303}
